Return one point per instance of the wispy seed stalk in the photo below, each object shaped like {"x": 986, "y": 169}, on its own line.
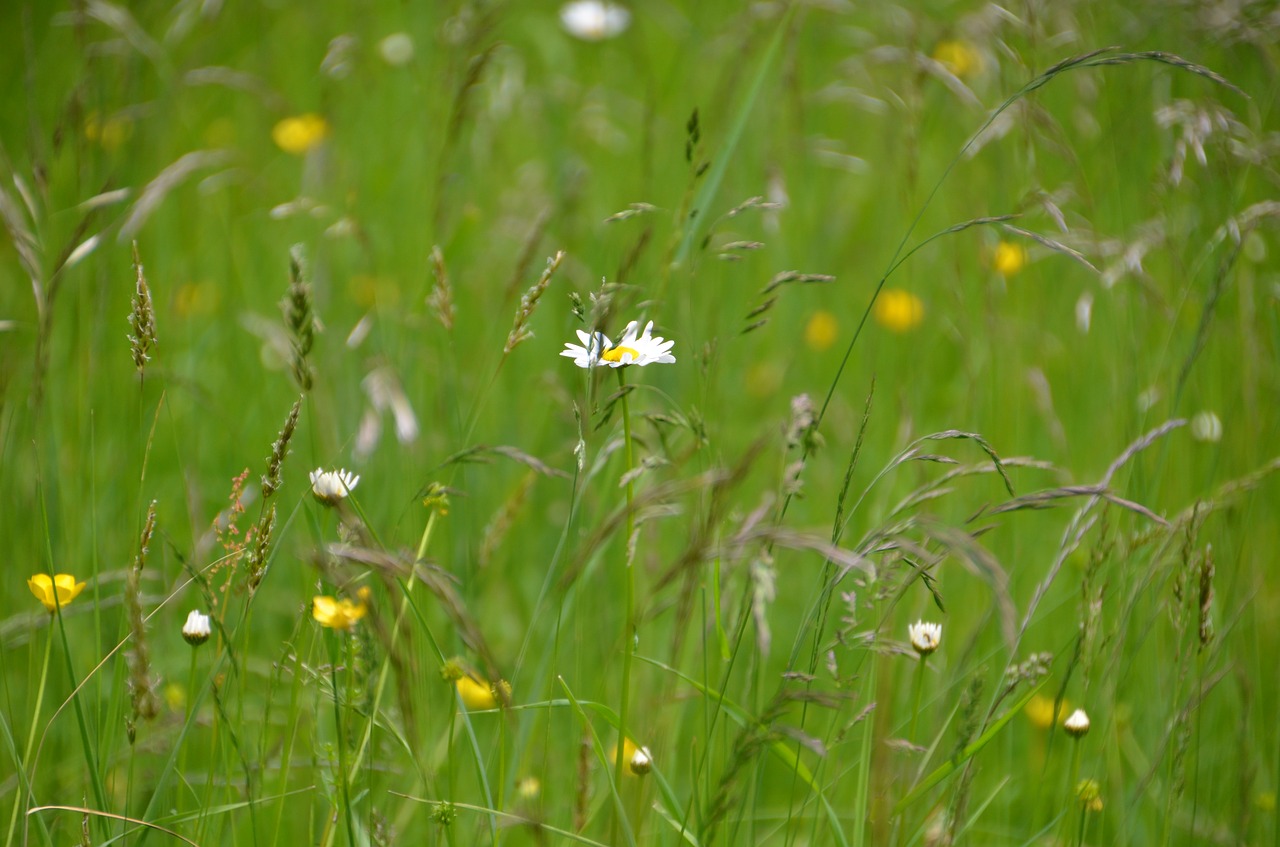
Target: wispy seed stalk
{"x": 529, "y": 303}
{"x": 143, "y": 698}
{"x": 271, "y": 482}
{"x": 142, "y": 319}
{"x": 300, "y": 320}
{"x": 441, "y": 297}
{"x": 1206, "y": 598}
{"x": 280, "y": 449}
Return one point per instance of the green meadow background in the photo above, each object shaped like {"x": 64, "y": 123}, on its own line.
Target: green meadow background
{"x": 863, "y": 225}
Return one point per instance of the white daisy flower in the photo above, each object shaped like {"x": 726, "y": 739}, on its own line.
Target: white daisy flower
{"x": 633, "y": 349}
{"x": 925, "y": 637}
{"x": 594, "y": 20}
{"x": 331, "y": 486}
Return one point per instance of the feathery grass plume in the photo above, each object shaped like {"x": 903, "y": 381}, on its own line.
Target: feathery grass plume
{"x": 763, "y": 579}
{"x": 262, "y": 532}
{"x": 1206, "y": 597}
{"x": 802, "y": 429}
{"x": 271, "y": 482}
{"x": 141, "y": 690}
{"x": 300, "y": 320}
{"x": 529, "y": 302}
{"x": 632, "y": 210}
{"x": 142, "y": 318}
{"x": 441, "y": 297}
{"x": 279, "y": 450}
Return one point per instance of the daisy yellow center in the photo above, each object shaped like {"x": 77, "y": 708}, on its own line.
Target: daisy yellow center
{"x": 615, "y": 354}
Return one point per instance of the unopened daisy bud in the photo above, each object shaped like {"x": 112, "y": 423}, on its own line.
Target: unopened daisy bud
{"x": 330, "y": 487}
{"x": 925, "y": 637}
{"x": 639, "y": 760}
{"x": 196, "y": 630}
{"x": 1077, "y": 725}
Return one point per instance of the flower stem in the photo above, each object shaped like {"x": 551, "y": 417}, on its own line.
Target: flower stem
{"x": 91, "y": 760}
{"x": 31, "y": 738}
{"x": 395, "y": 638}
{"x": 342, "y": 741}
{"x": 191, "y": 696}
{"x": 915, "y": 712}
{"x": 628, "y": 640}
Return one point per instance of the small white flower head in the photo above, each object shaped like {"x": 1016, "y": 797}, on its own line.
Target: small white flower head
{"x": 330, "y": 487}
{"x": 1206, "y": 426}
{"x": 594, "y": 20}
{"x": 1077, "y": 725}
{"x": 196, "y": 630}
{"x": 641, "y": 761}
{"x": 396, "y": 49}
{"x": 925, "y": 637}
{"x": 635, "y": 348}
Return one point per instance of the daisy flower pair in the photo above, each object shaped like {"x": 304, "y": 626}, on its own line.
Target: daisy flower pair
{"x": 634, "y": 348}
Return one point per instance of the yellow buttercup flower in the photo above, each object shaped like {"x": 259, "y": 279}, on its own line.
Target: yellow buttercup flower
{"x": 55, "y": 591}
{"x": 958, "y": 57}
{"x": 821, "y": 331}
{"x": 1009, "y": 258}
{"x": 299, "y": 133}
{"x": 337, "y": 614}
{"x": 1039, "y": 710}
{"x": 478, "y": 695}
{"x": 898, "y": 310}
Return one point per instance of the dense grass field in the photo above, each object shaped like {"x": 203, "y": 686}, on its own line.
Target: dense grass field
{"x": 975, "y": 313}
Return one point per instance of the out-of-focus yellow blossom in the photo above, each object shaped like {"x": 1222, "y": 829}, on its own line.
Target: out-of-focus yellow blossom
{"x": 959, "y": 57}
{"x": 299, "y": 133}
{"x": 337, "y": 614}
{"x": 898, "y": 310}
{"x": 55, "y": 591}
{"x": 1090, "y": 795}
{"x": 478, "y": 695}
{"x": 821, "y": 331}
{"x": 108, "y": 134}
{"x": 1008, "y": 258}
{"x": 175, "y": 696}
{"x": 1039, "y": 710}
{"x": 529, "y": 787}
{"x": 1266, "y": 801}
